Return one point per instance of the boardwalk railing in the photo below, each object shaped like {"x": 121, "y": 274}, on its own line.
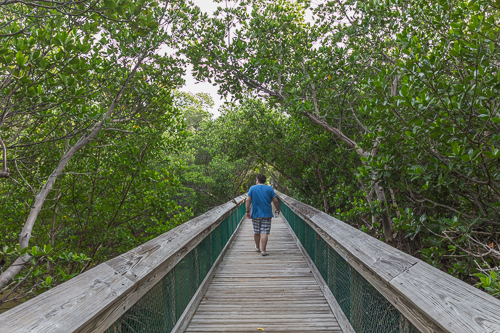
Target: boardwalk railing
{"x": 381, "y": 289}
{"x": 148, "y": 289}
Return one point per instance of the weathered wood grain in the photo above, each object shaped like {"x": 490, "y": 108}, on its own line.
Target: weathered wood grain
{"x": 288, "y": 330}
{"x": 276, "y": 293}
{"x": 431, "y": 299}
{"x": 137, "y": 263}
{"x": 460, "y": 307}
{"x": 188, "y": 313}
{"x": 344, "y": 323}
{"x": 92, "y": 301}
{"x": 69, "y": 305}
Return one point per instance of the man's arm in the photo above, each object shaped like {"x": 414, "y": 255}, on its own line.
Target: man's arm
{"x": 276, "y": 204}
{"x": 247, "y": 205}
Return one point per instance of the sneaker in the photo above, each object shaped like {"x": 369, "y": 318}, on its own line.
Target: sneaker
{"x": 264, "y": 253}
{"x": 257, "y": 249}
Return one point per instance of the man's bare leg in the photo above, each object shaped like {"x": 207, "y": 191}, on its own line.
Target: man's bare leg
{"x": 264, "y": 242}
{"x": 256, "y": 238}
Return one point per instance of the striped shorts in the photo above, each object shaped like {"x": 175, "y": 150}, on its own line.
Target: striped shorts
{"x": 261, "y": 225}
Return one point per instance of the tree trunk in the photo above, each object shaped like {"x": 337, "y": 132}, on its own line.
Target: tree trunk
{"x": 4, "y": 172}
{"x": 386, "y": 220}
{"x": 40, "y": 198}
{"x": 326, "y": 206}
{"x": 394, "y": 202}
{"x": 52, "y": 235}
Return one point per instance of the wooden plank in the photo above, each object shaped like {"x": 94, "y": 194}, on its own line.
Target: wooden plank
{"x": 139, "y": 262}
{"x": 460, "y": 307}
{"x": 237, "y": 319}
{"x": 332, "y": 302}
{"x": 431, "y": 299}
{"x": 294, "y": 330}
{"x": 257, "y": 310}
{"x": 306, "y": 305}
{"x": 269, "y": 327}
{"x": 255, "y": 322}
{"x": 68, "y": 306}
{"x": 128, "y": 277}
{"x": 280, "y": 317}
{"x": 278, "y": 307}
{"x": 188, "y": 313}
{"x": 277, "y": 292}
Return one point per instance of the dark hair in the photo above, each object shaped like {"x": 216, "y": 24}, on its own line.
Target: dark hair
{"x": 261, "y": 179}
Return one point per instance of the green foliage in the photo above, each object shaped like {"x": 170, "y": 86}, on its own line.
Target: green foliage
{"x": 116, "y": 194}
{"x": 406, "y": 93}
{"x": 86, "y": 111}
{"x": 384, "y": 114}
{"x": 490, "y": 283}
{"x": 209, "y": 176}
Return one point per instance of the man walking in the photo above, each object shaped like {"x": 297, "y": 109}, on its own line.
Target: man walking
{"x": 261, "y": 196}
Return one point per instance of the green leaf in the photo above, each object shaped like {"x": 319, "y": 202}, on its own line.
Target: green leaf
{"x": 20, "y": 58}
{"x": 488, "y": 154}
{"x": 35, "y": 251}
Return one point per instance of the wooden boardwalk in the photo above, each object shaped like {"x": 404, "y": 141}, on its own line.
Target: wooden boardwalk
{"x": 251, "y": 293}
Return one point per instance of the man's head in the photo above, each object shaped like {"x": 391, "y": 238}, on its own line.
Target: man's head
{"x": 261, "y": 179}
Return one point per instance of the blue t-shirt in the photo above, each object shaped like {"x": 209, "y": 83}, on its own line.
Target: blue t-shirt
{"x": 261, "y": 195}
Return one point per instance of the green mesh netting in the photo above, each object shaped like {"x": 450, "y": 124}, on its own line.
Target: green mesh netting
{"x": 205, "y": 258}
{"x": 187, "y": 281}
{"x": 365, "y": 308}
{"x": 216, "y": 243}
{"x": 160, "y": 308}
{"x": 224, "y": 234}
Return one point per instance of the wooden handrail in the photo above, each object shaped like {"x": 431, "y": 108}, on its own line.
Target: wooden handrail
{"x": 92, "y": 301}
{"x": 431, "y": 299}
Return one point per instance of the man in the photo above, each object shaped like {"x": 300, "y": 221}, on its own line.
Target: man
{"x": 261, "y": 196}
